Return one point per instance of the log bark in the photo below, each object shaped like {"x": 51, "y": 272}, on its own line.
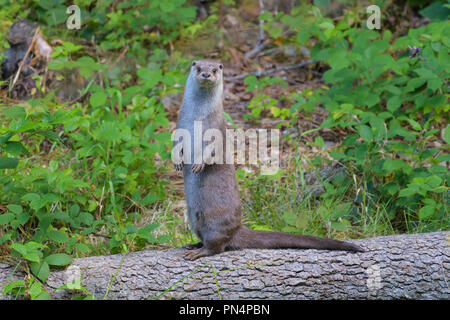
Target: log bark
{"x": 414, "y": 266}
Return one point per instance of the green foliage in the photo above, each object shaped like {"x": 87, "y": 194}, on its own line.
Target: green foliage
{"x": 393, "y": 107}
{"x": 31, "y": 288}
{"x": 262, "y": 102}
{"x": 109, "y": 170}
{"x": 117, "y": 24}
{"x": 436, "y": 11}
{"x": 82, "y": 179}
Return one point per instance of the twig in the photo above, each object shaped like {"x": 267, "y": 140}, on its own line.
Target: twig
{"x": 260, "y": 43}
{"x": 24, "y": 59}
{"x": 270, "y": 71}
{"x": 120, "y": 55}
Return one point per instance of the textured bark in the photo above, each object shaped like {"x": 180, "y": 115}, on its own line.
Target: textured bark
{"x": 395, "y": 267}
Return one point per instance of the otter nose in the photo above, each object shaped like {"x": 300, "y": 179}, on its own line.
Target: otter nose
{"x": 206, "y": 75}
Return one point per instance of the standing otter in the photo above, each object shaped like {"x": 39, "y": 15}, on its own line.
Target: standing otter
{"x": 211, "y": 189}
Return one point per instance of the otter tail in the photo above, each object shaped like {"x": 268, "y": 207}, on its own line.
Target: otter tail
{"x": 257, "y": 239}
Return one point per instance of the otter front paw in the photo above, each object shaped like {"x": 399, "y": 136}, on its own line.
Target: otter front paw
{"x": 196, "y": 168}
{"x": 179, "y": 166}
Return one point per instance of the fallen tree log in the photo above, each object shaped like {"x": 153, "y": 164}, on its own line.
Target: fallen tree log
{"x": 412, "y": 266}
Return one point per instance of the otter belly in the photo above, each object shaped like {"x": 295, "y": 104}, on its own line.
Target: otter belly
{"x": 211, "y": 195}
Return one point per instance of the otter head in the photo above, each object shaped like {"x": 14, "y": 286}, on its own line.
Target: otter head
{"x": 208, "y": 74}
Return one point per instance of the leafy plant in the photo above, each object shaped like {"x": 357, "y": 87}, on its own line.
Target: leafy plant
{"x": 392, "y": 107}
{"x": 261, "y": 102}
{"x": 110, "y": 170}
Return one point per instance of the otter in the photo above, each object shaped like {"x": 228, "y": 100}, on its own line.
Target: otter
{"x": 211, "y": 190}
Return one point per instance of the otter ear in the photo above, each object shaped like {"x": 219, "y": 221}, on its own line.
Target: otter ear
{"x": 194, "y": 63}
{"x": 220, "y": 66}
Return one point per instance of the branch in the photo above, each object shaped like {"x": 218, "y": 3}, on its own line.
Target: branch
{"x": 33, "y": 40}
{"x": 260, "y": 43}
{"x": 270, "y": 71}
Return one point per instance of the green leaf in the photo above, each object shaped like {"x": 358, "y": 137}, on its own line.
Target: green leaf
{"x": 434, "y": 84}
{"x": 6, "y": 137}
{"x": 82, "y": 247}
{"x": 23, "y": 218}
{"x": 52, "y": 136}
{"x": 446, "y": 134}
{"x": 36, "y": 202}
{"x": 365, "y": 132}
{"x": 167, "y": 6}
{"x": 429, "y": 201}
{"x": 6, "y": 218}
{"x": 407, "y": 192}
{"x": 97, "y": 99}
{"x": 15, "y": 112}
{"x": 32, "y": 256}
{"x": 392, "y": 188}
{"x": 8, "y": 163}
{"x": 108, "y": 132}
{"x": 74, "y": 210}
{"x": 20, "y": 248}
{"x": 326, "y": 25}
{"x": 392, "y": 165}
{"x": 87, "y": 66}
{"x": 32, "y": 245}
{"x": 58, "y": 259}
{"x": 14, "y": 284}
{"x": 433, "y": 181}
{"x": 15, "y": 148}
{"x": 31, "y": 197}
{"x": 436, "y": 101}
{"x": 86, "y": 218}
{"x": 339, "y": 226}
{"x": 415, "y": 83}
{"x": 426, "y": 212}
{"x": 394, "y": 103}
{"x": 149, "y": 227}
{"x": 58, "y": 236}
{"x": 149, "y": 199}
{"x": 275, "y": 32}
{"x": 40, "y": 270}
{"x": 322, "y": 3}
{"x": 303, "y": 36}
{"x": 266, "y": 15}
{"x": 15, "y": 208}
{"x": 414, "y": 124}
{"x": 436, "y": 11}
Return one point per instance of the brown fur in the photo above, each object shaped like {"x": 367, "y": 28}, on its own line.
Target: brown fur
{"x": 211, "y": 190}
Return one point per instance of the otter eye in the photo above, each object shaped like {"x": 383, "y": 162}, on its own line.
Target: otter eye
{"x": 220, "y": 66}
{"x": 199, "y": 69}
{"x": 214, "y": 70}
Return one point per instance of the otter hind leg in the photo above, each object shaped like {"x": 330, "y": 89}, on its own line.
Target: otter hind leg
{"x": 213, "y": 243}
{"x": 198, "y": 253}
